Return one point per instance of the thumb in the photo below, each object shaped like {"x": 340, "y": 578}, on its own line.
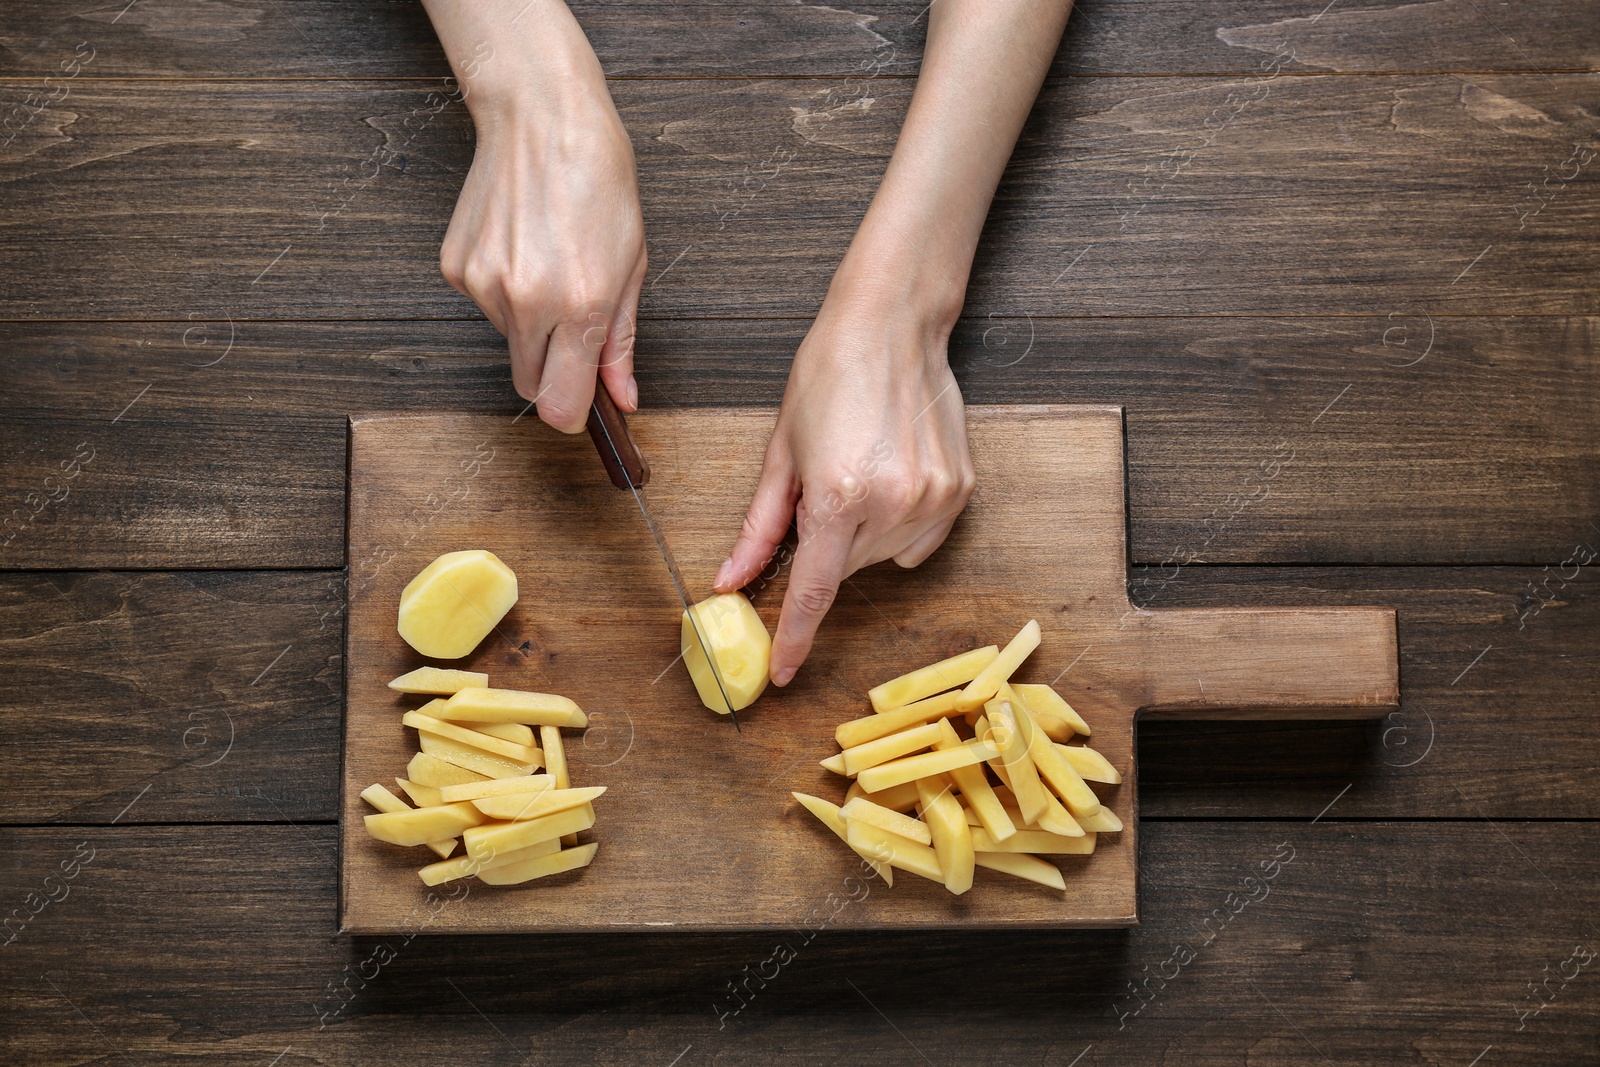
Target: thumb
{"x": 771, "y": 511}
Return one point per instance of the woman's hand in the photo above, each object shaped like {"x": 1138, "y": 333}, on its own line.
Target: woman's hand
{"x": 547, "y": 236}
{"x": 868, "y": 459}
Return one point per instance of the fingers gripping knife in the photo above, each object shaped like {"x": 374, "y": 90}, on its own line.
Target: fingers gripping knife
{"x": 628, "y": 470}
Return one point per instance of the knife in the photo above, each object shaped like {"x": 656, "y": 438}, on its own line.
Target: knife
{"x": 629, "y": 470}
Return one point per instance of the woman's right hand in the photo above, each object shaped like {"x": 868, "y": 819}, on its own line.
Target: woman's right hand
{"x": 547, "y": 236}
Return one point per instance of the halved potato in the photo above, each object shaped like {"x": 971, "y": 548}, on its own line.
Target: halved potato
{"x": 739, "y": 645}
{"x": 454, "y": 603}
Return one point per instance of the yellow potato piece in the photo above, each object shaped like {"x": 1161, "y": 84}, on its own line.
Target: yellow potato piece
{"x": 1055, "y": 769}
{"x": 454, "y": 603}
{"x": 910, "y": 768}
{"x": 1020, "y": 865}
{"x": 1044, "y": 700}
{"x": 739, "y": 645}
{"x": 555, "y": 755}
{"x": 934, "y": 678}
{"x": 828, "y": 814}
{"x": 433, "y": 771}
{"x": 514, "y": 732}
{"x": 979, "y": 794}
{"x": 834, "y": 763}
{"x": 418, "y": 826}
{"x": 437, "y": 681}
{"x": 884, "y": 749}
{"x": 871, "y": 727}
{"x": 988, "y": 682}
{"x": 542, "y": 867}
{"x": 896, "y": 798}
{"x": 385, "y": 801}
{"x": 486, "y": 841}
{"x": 1057, "y": 819}
{"x": 510, "y": 705}
{"x": 497, "y": 787}
{"x": 886, "y": 819}
{"x": 1104, "y": 821}
{"x": 952, "y": 839}
{"x": 1037, "y": 842}
{"x": 470, "y": 757}
{"x": 516, "y": 806}
{"x": 1090, "y": 765}
{"x": 423, "y": 796}
{"x": 497, "y": 746}
{"x": 897, "y": 851}
{"x": 1010, "y": 730}
{"x": 465, "y": 866}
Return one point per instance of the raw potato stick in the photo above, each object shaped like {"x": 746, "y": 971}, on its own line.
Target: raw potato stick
{"x": 464, "y": 866}
{"x": 871, "y": 727}
{"x": 471, "y": 758}
{"x": 901, "y": 798}
{"x": 489, "y": 840}
{"x": 514, "y": 732}
{"x": 1009, "y": 730}
{"x": 555, "y": 761}
{"x": 1104, "y": 821}
{"x": 1043, "y": 699}
{"x": 885, "y": 749}
{"x": 512, "y": 705}
{"x": 518, "y": 806}
{"x": 828, "y": 814}
{"x": 1022, "y": 865}
{"x": 893, "y": 849}
{"x": 423, "y": 796}
{"x": 1037, "y": 842}
{"x": 495, "y": 746}
{"x": 385, "y": 801}
{"x": 542, "y": 867}
{"x": 988, "y": 682}
{"x": 437, "y": 681}
{"x": 952, "y": 839}
{"x": 1090, "y": 765}
{"x": 1078, "y": 797}
{"x": 934, "y": 678}
{"x": 433, "y": 771}
{"x": 885, "y": 819}
{"x": 497, "y": 787}
{"x": 980, "y": 796}
{"x": 418, "y": 826}
{"x": 909, "y": 769}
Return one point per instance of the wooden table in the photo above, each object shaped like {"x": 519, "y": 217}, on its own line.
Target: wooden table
{"x": 1338, "y": 268}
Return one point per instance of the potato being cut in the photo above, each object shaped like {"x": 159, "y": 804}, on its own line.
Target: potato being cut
{"x": 437, "y": 681}
{"x": 739, "y": 645}
{"x": 454, "y": 603}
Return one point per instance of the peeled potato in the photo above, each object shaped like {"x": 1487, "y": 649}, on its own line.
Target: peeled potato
{"x": 455, "y": 602}
{"x": 738, "y": 640}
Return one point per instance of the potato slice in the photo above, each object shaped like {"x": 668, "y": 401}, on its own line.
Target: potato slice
{"x": 910, "y": 768}
{"x": 828, "y": 814}
{"x": 541, "y": 867}
{"x": 510, "y": 705}
{"x": 454, "y": 603}
{"x": 893, "y": 849}
{"x": 555, "y": 761}
{"x": 952, "y": 839}
{"x": 433, "y": 771}
{"x": 423, "y": 796}
{"x": 515, "y": 732}
{"x": 834, "y": 763}
{"x": 418, "y": 826}
{"x": 1055, "y": 769}
{"x": 470, "y": 757}
{"x": 385, "y": 801}
{"x": 1038, "y": 842}
{"x": 1104, "y": 821}
{"x": 980, "y": 796}
{"x": 464, "y": 866}
{"x": 900, "y": 798}
{"x": 1010, "y": 730}
{"x": 1044, "y": 700}
{"x": 437, "y": 681}
{"x": 1090, "y": 765}
{"x": 884, "y": 749}
{"x": 497, "y": 787}
{"x": 739, "y": 644}
{"x": 486, "y": 841}
{"x": 934, "y": 678}
{"x": 1057, "y": 819}
{"x": 886, "y": 819}
{"x": 871, "y": 727}
{"x": 493, "y": 745}
{"x": 986, "y": 685}
{"x": 1021, "y": 865}
{"x": 517, "y": 806}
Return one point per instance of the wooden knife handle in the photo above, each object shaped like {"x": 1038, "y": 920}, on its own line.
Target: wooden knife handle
{"x": 606, "y": 421}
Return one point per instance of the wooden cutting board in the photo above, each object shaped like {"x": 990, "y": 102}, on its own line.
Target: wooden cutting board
{"x": 698, "y": 830}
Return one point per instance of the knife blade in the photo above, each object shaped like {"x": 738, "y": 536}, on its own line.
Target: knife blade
{"x": 629, "y": 470}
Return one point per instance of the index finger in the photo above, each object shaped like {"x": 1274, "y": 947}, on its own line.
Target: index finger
{"x": 821, "y": 562}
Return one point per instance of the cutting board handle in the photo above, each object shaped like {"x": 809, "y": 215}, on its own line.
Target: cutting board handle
{"x": 607, "y": 428}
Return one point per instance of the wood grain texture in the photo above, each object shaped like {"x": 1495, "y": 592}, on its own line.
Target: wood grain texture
{"x": 121, "y": 490}
{"x": 1512, "y": 738}
{"x": 1366, "y": 421}
{"x": 1195, "y": 196}
{"x": 377, "y": 39}
{"x": 585, "y": 630}
{"x": 201, "y": 696}
{"x": 181, "y": 942}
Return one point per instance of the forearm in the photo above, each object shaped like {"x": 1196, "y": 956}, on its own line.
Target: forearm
{"x": 516, "y": 59}
{"x": 981, "y": 71}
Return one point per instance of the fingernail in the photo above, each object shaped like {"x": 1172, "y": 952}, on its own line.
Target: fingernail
{"x": 633, "y": 393}
{"x": 784, "y": 677}
{"x": 724, "y": 574}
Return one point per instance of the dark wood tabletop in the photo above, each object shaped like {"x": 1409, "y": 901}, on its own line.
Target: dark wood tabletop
{"x": 1352, "y": 245}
